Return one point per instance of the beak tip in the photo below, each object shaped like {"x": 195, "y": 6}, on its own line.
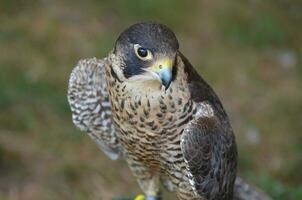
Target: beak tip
{"x": 166, "y": 78}
{"x": 166, "y": 84}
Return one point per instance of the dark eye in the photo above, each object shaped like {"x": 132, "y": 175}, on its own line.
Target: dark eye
{"x": 142, "y": 52}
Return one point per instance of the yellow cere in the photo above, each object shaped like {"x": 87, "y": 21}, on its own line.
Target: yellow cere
{"x": 162, "y": 64}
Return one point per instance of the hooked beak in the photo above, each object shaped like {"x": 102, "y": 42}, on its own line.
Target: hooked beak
{"x": 163, "y": 69}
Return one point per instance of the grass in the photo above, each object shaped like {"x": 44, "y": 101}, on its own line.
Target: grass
{"x": 249, "y": 51}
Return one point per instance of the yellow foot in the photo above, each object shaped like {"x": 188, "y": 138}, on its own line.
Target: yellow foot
{"x": 140, "y": 197}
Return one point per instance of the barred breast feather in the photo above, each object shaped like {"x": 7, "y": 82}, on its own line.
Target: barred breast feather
{"x": 91, "y": 111}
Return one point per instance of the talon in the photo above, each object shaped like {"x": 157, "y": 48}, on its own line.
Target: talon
{"x": 139, "y": 197}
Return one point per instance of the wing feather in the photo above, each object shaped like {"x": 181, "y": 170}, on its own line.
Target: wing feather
{"x": 89, "y": 103}
{"x": 210, "y": 155}
{"x": 208, "y": 143}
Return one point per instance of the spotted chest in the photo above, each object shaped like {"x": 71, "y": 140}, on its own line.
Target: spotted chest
{"x": 149, "y": 123}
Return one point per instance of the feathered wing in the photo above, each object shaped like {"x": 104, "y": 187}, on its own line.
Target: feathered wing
{"x": 209, "y": 148}
{"x": 210, "y": 154}
{"x": 89, "y": 103}
{"x": 208, "y": 143}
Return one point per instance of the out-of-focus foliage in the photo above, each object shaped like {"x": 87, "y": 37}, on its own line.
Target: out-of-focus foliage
{"x": 249, "y": 51}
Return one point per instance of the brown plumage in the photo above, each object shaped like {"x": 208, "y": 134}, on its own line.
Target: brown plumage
{"x": 163, "y": 118}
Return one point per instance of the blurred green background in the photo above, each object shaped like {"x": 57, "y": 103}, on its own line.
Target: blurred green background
{"x": 249, "y": 51}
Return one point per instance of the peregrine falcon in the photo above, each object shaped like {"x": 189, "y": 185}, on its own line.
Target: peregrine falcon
{"x": 146, "y": 103}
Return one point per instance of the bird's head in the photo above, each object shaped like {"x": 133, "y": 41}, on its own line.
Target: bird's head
{"x": 148, "y": 52}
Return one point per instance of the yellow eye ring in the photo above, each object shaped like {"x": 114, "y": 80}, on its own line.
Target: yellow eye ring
{"x": 142, "y": 53}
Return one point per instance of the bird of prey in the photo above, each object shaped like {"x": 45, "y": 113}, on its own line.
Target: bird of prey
{"x": 146, "y": 103}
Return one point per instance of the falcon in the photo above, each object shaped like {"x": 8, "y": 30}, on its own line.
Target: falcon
{"x": 145, "y": 103}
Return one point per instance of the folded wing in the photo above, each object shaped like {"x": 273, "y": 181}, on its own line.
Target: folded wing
{"x": 88, "y": 100}
{"x": 210, "y": 154}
